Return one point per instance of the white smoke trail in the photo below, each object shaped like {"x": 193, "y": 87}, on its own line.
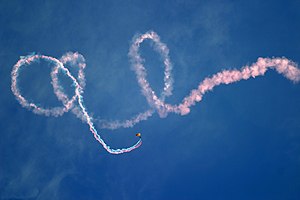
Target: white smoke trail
{"x": 140, "y": 71}
{"x": 68, "y": 104}
{"x": 283, "y": 66}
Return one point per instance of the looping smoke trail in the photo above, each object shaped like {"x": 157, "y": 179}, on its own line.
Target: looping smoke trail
{"x": 68, "y": 103}
{"x": 140, "y": 71}
{"x": 282, "y": 65}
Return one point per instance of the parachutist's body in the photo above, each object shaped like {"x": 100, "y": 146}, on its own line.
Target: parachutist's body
{"x": 138, "y": 135}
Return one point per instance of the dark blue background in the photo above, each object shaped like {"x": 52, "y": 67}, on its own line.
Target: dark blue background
{"x": 241, "y": 142}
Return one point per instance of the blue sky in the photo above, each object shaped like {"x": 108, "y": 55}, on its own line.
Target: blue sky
{"x": 241, "y": 142}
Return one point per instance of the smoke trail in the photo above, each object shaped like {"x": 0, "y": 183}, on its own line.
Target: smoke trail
{"x": 68, "y": 104}
{"x": 282, "y": 65}
{"x": 140, "y": 71}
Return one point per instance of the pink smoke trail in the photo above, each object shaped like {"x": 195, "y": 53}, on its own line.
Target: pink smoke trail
{"x": 282, "y": 65}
